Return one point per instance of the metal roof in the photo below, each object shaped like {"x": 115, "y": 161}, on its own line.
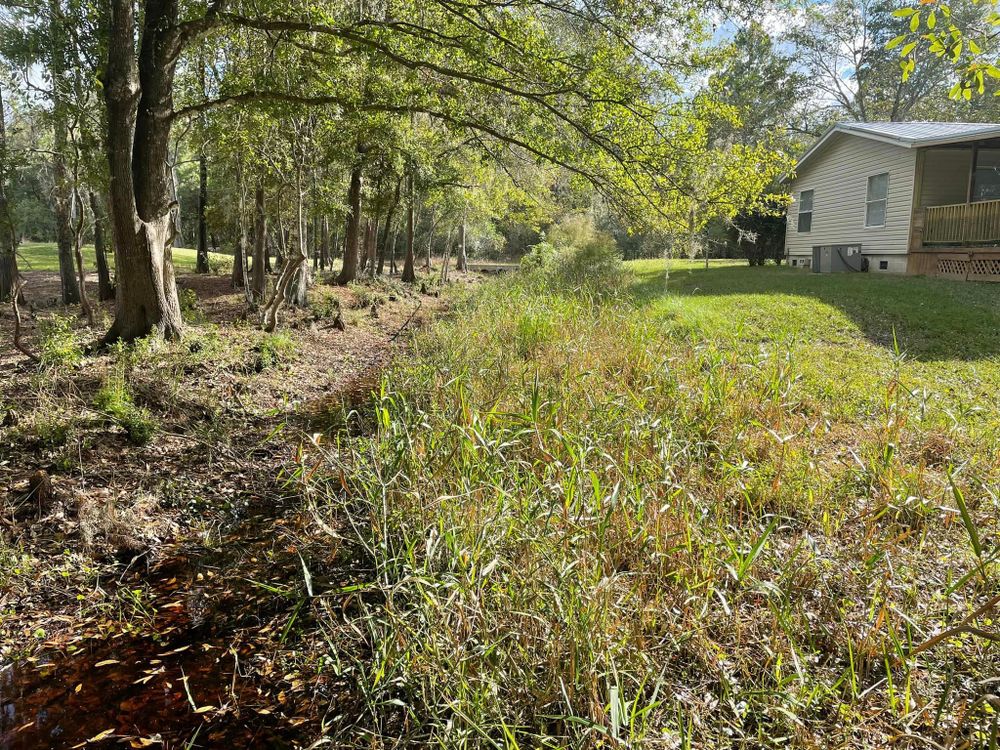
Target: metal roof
{"x": 909, "y": 134}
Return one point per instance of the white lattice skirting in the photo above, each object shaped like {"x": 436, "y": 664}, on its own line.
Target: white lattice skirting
{"x": 983, "y": 269}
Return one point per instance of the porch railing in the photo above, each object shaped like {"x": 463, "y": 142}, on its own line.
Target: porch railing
{"x": 963, "y": 223}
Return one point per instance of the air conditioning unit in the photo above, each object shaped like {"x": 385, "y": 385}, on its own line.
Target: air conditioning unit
{"x": 838, "y": 259}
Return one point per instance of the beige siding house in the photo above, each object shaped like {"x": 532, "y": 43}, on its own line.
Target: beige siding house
{"x": 899, "y": 198}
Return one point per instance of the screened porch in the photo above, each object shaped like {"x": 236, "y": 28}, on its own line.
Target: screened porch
{"x": 958, "y": 196}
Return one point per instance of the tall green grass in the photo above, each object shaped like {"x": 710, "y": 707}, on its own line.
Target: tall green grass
{"x": 649, "y": 520}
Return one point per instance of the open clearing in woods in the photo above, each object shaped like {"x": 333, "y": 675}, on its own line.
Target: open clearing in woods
{"x": 723, "y": 516}
{"x": 42, "y": 256}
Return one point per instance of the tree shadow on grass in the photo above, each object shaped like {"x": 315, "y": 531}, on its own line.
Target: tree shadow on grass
{"x": 931, "y": 319}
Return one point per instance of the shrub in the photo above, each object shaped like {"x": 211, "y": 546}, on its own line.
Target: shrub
{"x": 596, "y": 266}
{"x": 190, "y": 309}
{"x": 579, "y": 257}
{"x": 219, "y": 264}
{"x": 273, "y": 349}
{"x": 59, "y": 345}
{"x": 51, "y": 430}
{"x": 115, "y": 401}
{"x": 539, "y": 257}
{"x": 367, "y": 295}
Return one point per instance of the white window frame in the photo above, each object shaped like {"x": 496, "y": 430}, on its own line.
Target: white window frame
{"x": 868, "y": 201}
{"x": 812, "y": 206}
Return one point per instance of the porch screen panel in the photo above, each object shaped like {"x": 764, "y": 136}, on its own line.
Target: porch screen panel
{"x": 987, "y": 183}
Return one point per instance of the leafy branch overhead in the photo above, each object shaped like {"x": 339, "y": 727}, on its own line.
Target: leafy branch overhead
{"x": 963, "y": 34}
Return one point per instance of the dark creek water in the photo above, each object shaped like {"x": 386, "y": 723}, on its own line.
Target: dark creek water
{"x": 186, "y": 678}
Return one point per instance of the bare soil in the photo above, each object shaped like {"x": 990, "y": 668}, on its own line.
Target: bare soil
{"x": 156, "y": 594}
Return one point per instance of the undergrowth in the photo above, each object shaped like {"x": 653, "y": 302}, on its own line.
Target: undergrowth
{"x": 594, "y": 523}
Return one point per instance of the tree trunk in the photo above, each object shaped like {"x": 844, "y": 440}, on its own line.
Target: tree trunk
{"x": 388, "y": 224}
{"x": 463, "y": 260}
{"x": 281, "y": 248}
{"x": 409, "y": 274}
{"x": 300, "y": 289}
{"x": 105, "y": 289}
{"x": 371, "y": 242}
{"x": 324, "y": 244}
{"x": 315, "y": 243}
{"x": 201, "y": 264}
{"x": 446, "y": 260}
{"x": 239, "y": 261}
{"x": 139, "y": 99}
{"x": 8, "y": 232}
{"x": 351, "y": 249}
{"x": 392, "y": 251}
{"x": 81, "y": 272}
{"x": 201, "y": 258}
{"x": 58, "y": 67}
{"x": 258, "y": 285}
{"x": 430, "y": 242}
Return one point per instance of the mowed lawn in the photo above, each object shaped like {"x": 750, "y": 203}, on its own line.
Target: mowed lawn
{"x": 42, "y": 256}
{"x": 846, "y": 333}
{"x": 729, "y": 512}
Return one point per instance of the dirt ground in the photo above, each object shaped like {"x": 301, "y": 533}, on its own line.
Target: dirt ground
{"x": 154, "y": 588}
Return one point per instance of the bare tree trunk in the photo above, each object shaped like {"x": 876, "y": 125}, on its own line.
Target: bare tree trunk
{"x": 282, "y": 246}
{"x": 388, "y": 224}
{"x": 85, "y": 305}
{"x": 409, "y": 274}
{"x": 202, "y": 264}
{"x": 392, "y": 251}
{"x": 201, "y": 260}
{"x": 258, "y": 286}
{"x": 324, "y": 243}
{"x": 351, "y": 249}
{"x": 372, "y": 241}
{"x": 292, "y": 265}
{"x": 105, "y": 289}
{"x": 63, "y": 187}
{"x": 430, "y": 242}
{"x": 316, "y": 250}
{"x": 139, "y": 98}
{"x": 8, "y": 232}
{"x": 300, "y": 291}
{"x": 463, "y": 260}
{"x": 239, "y": 272}
{"x": 446, "y": 261}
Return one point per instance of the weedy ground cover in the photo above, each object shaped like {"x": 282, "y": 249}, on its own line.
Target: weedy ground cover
{"x": 729, "y": 513}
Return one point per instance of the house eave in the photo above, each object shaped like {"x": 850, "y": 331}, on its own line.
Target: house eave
{"x": 846, "y": 128}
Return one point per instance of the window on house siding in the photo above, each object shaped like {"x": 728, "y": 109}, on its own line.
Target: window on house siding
{"x": 805, "y": 223}
{"x": 878, "y": 194}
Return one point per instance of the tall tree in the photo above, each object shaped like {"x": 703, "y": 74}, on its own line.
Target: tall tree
{"x": 352, "y": 232}
{"x": 409, "y": 274}
{"x": 844, "y": 47}
{"x": 201, "y": 257}
{"x": 577, "y": 86}
{"x": 8, "y": 228}
{"x": 258, "y": 283}
{"x": 59, "y": 72}
{"x": 105, "y": 289}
